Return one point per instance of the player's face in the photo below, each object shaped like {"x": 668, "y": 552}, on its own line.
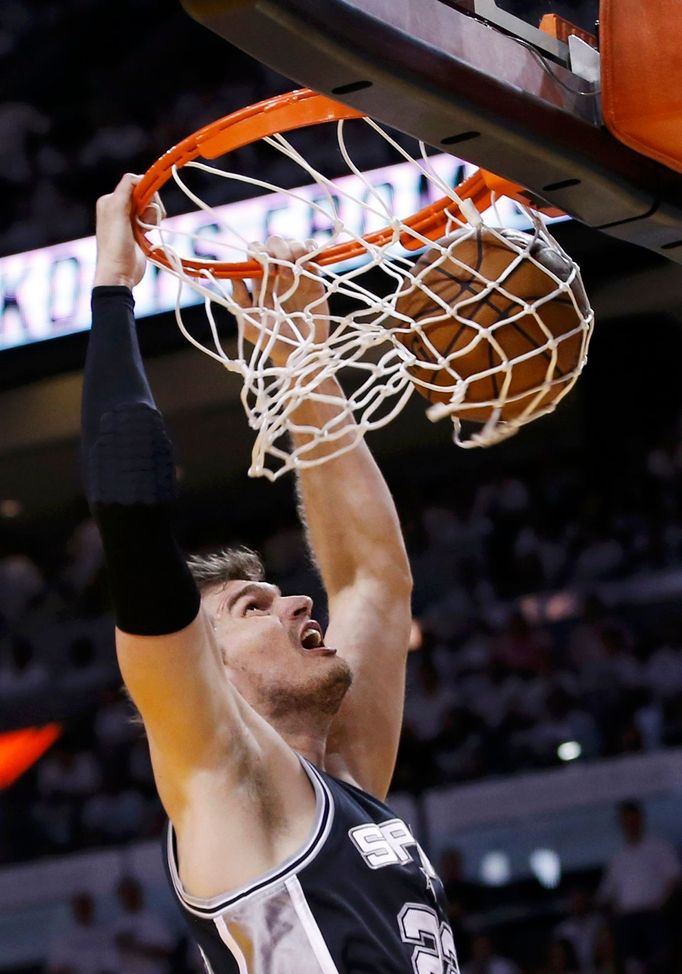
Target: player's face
{"x": 274, "y": 650}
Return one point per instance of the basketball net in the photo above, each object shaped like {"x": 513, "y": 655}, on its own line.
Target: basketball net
{"x": 366, "y": 348}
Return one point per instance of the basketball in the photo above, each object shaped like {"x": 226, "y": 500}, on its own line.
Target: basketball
{"x": 491, "y": 302}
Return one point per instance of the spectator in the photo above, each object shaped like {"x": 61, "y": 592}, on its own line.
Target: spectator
{"x": 84, "y": 948}
{"x": 458, "y": 748}
{"x": 605, "y": 680}
{"x": 585, "y": 644}
{"x": 65, "y": 779}
{"x": 540, "y": 556}
{"x": 647, "y": 718}
{"x": 67, "y": 773}
{"x": 485, "y": 960}
{"x": 84, "y": 557}
{"x": 21, "y": 126}
{"x": 117, "y": 813}
{"x": 564, "y": 720}
{"x": 663, "y": 671}
{"x": 606, "y": 959}
{"x": 581, "y": 928}
{"x": 465, "y": 897}
{"x": 86, "y": 674}
{"x": 602, "y": 555}
{"x": 492, "y": 693}
{"x": 143, "y": 940}
{"x": 561, "y": 958}
{"x": 521, "y": 648}
{"x": 640, "y": 880}
{"x": 23, "y": 674}
{"x": 428, "y": 699}
{"x": 115, "y": 729}
{"x": 21, "y": 582}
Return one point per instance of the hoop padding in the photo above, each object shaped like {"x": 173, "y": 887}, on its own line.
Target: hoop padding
{"x": 336, "y": 310}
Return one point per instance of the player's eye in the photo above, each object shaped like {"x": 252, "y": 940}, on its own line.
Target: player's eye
{"x": 251, "y": 607}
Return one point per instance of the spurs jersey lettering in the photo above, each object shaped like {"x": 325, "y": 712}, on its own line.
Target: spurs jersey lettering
{"x": 360, "y": 897}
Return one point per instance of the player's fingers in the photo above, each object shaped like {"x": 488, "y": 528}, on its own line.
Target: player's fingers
{"x": 117, "y": 205}
{"x": 127, "y": 182}
{"x": 278, "y": 247}
{"x": 241, "y": 294}
{"x": 291, "y": 249}
{"x": 262, "y": 285}
{"x": 152, "y": 215}
{"x": 297, "y": 250}
{"x": 256, "y": 251}
{"x": 154, "y": 212}
{"x": 280, "y": 250}
{"x": 311, "y": 245}
{"x": 121, "y": 193}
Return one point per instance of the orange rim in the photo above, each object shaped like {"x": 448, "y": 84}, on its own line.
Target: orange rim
{"x": 285, "y": 113}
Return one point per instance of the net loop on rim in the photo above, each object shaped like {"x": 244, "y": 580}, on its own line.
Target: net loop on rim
{"x": 334, "y": 310}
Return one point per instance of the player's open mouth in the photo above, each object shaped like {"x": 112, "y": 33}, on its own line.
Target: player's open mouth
{"x": 312, "y": 640}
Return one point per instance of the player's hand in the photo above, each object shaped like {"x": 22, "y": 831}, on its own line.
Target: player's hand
{"x": 119, "y": 259}
{"x": 264, "y": 294}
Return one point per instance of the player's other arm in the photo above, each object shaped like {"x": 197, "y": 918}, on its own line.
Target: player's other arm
{"x": 169, "y": 659}
{"x": 355, "y": 536}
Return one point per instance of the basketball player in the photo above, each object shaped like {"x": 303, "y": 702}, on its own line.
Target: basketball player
{"x": 273, "y": 743}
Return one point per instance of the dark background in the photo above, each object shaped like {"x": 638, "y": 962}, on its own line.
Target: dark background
{"x": 143, "y": 74}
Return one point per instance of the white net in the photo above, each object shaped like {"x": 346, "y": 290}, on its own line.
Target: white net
{"x": 490, "y": 325}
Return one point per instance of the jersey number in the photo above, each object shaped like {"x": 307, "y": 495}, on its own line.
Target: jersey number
{"x": 434, "y": 947}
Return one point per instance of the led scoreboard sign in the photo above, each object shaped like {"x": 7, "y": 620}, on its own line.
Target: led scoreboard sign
{"x": 45, "y": 293}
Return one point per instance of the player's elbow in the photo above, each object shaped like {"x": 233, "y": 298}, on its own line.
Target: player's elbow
{"x": 402, "y": 580}
{"x": 395, "y": 575}
{"x": 398, "y": 569}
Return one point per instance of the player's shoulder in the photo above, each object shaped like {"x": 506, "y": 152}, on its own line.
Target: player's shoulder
{"x": 337, "y": 767}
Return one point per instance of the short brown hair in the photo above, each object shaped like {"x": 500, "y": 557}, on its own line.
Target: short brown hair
{"x": 224, "y": 566}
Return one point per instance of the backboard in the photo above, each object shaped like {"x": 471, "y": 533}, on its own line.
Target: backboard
{"x": 471, "y": 78}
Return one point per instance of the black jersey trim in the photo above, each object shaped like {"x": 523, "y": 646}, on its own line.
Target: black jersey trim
{"x": 211, "y": 907}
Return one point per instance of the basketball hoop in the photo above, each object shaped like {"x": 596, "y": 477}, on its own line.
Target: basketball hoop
{"x": 372, "y": 343}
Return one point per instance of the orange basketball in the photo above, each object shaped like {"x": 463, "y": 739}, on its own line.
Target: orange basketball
{"x": 473, "y": 332}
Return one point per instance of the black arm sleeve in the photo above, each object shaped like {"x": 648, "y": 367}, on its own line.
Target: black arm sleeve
{"x": 129, "y": 474}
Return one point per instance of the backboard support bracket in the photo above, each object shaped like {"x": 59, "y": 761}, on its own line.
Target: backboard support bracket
{"x": 461, "y": 85}
{"x": 488, "y": 11}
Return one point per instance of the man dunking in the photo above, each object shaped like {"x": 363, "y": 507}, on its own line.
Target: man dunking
{"x": 272, "y": 743}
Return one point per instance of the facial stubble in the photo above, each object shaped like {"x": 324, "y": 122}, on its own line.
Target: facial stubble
{"x": 319, "y": 697}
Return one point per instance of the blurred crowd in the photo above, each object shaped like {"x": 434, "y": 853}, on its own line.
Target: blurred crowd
{"x": 137, "y": 939}
{"x": 619, "y": 921}
{"x": 523, "y": 657}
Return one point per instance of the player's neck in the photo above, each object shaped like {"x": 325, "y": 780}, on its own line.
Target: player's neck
{"x": 310, "y": 742}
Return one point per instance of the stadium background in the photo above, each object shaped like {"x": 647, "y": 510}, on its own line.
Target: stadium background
{"x": 546, "y": 682}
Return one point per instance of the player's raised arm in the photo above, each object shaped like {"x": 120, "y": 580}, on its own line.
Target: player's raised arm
{"x": 168, "y": 656}
{"x": 355, "y": 537}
